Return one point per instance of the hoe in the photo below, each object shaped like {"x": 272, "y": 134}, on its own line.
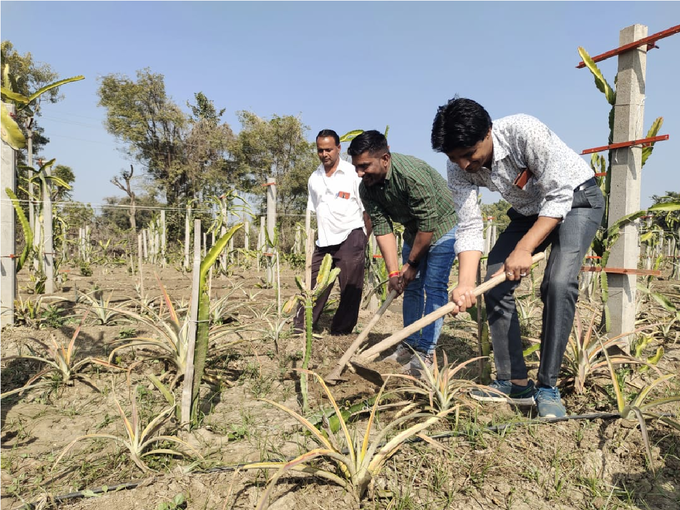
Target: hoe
{"x": 360, "y": 362}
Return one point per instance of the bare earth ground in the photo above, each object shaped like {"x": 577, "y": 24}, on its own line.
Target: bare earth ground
{"x": 582, "y": 464}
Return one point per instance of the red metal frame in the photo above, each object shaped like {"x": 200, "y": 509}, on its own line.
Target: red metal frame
{"x": 650, "y": 41}
{"x": 621, "y": 270}
{"x": 642, "y": 142}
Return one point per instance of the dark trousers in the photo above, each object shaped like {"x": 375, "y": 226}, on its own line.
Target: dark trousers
{"x": 559, "y": 291}
{"x": 349, "y": 256}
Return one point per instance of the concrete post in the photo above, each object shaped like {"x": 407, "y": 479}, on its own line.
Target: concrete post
{"x": 31, "y": 190}
{"x": 309, "y": 251}
{"x": 223, "y": 230}
{"x": 140, "y": 243}
{"x": 164, "y": 237}
{"x": 260, "y": 242}
{"x": 187, "y": 237}
{"x": 271, "y": 225}
{"x": 145, "y": 245}
{"x": 7, "y": 234}
{"x": 187, "y": 390}
{"x": 48, "y": 238}
{"x": 37, "y": 237}
{"x": 88, "y": 246}
{"x": 624, "y": 197}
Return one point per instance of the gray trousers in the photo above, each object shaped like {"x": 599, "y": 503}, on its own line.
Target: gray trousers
{"x": 559, "y": 291}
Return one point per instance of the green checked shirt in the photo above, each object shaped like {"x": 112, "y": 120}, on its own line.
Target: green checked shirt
{"x": 413, "y": 194}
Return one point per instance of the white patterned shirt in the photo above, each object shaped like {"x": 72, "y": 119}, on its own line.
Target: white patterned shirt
{"x": 519, "y": 142}
{"x": 336, "y": 202}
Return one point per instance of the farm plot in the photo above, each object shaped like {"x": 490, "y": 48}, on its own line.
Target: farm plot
{"x": 132, "y": 455}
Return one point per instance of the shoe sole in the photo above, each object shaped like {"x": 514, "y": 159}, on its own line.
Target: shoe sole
{"x": 526, "y": 401}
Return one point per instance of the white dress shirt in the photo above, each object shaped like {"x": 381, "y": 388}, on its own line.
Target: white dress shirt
{"x": 519, "y": 142}
{"x": 336, "y": 202}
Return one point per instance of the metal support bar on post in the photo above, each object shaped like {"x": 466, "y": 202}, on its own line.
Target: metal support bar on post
{"x": 644, "y": 142}
{"x": 650, "y": 41}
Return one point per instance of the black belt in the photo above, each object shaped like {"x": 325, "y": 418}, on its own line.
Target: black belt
{"x": 590, "y": 182}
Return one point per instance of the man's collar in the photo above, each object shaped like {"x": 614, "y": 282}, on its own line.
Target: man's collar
{"x": 389, "y": 170}
{"x": 343, "y": 166}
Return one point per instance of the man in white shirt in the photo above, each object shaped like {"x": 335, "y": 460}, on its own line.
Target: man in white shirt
{"x": 343, "y": 227}
{"x": 555, "y": 201}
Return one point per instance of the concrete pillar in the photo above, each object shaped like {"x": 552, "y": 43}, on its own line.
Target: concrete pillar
{"x": 164, "y": 237}
{"x": 145, "y": 244}
{"x": 37, "y": 238}
{"x": 260, "y": 242}
{"x": 271, "y": 225}
{"x": 187, "y": 237}
{"x": 624, "y": 197}
{"x": 48, "y": 238}
{"x": 7, "y": 234}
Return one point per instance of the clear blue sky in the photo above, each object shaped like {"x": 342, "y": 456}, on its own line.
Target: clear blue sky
{"x": 347, "y": 65}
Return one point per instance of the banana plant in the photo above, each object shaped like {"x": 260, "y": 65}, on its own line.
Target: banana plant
{"x": 307, "y": 297}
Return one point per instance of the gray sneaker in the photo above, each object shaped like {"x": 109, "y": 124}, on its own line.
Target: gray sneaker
{"x": 402, "y": 354}
{"x": 505, "y": 391}
{"x": 419, "y": 362}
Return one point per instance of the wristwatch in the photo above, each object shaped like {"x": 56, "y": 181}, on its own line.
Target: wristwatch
{"x": 413, "y": 263}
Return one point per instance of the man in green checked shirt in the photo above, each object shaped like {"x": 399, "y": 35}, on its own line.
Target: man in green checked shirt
{"x": 406, "y": 190}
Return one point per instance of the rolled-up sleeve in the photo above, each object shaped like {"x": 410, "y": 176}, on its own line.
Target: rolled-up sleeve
{"x": 470, "y": 233}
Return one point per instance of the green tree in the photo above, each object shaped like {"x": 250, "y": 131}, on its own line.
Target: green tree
{"x": 142, "y": 116}
{"x": 204, "y": 172}
{"x": 274, "y": 148}
{"x": 116, "y": 216}
{"x": 497, "y": 210}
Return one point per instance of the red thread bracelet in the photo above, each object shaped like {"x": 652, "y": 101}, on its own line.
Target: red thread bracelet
{"x": 394, "y": 273}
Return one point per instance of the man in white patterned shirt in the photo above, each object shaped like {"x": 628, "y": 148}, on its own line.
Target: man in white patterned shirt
{"x": 343, "y": 227}
{"x": 555, "y": 202}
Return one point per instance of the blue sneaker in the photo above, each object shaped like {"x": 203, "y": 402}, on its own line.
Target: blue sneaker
{"x": 549, "y": 402}
{"x": 506, "y": 391}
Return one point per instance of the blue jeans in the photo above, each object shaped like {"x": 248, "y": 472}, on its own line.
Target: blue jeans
{"x": 428, "y": 290}
{"x": 559, "y": 290}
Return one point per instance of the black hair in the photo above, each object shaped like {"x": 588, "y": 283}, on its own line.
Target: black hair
{"x": 372, "y": 141}
{"x": 460, "y": 123}
{"x": 329, "y": 132}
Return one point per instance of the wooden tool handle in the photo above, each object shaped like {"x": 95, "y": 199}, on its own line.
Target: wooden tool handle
{"x": 374, "y": 352}
{"x": 337, "y": 371}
